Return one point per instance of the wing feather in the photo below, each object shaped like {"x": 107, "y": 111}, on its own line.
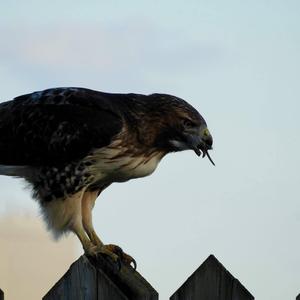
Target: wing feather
{"x": 52, "y": 128}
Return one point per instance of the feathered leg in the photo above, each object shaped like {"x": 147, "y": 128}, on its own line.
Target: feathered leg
{"x": 87, "y": 204}
{"x": 62, "y": 215}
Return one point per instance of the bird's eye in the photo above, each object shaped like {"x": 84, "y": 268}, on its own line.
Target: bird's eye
{"x": 188, "y": 123}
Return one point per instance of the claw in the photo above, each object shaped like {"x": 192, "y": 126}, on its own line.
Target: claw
{"x": 128, "y": 260}
{"x": 134, "y": 264}
{"x": 95, "y": 251}
{"x": 123, "y": 257}
{"x": 115, "y": 249}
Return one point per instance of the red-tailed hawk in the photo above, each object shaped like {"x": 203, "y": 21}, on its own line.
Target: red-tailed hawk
{"x": 72, "y": 143}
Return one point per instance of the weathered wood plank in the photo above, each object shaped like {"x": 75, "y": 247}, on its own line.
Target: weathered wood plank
{"x": 129, "y": 281}
{"x": 90, "y": 279}
{"x": 1, "y": 295}
{"x": 106, "y": 289}
{"x": 79, "y": 282}
{"x": 211, "y": 281}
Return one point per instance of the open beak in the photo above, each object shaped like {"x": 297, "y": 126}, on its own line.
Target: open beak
{"x": 201, "y": 143}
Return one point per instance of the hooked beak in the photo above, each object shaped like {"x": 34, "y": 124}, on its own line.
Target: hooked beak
{"x": 201, "y": 143}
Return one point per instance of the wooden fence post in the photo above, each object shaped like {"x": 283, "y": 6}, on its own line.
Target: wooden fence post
{"x": 89, "y": 279}
{"x": 211, "y": 281}
{"x": 1, "y": 295}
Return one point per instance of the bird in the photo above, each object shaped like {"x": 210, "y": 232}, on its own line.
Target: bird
{"x": 71, "y": 143}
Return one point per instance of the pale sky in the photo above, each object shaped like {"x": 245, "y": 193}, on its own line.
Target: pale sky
{"x": 29, "y": 257}
{"x": 238, "y": 63}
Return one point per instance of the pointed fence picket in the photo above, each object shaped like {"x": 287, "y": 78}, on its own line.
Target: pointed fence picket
{"x": 90, "y": 279}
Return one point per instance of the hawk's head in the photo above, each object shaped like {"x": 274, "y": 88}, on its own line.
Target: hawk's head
{"x": 181, "y": 126}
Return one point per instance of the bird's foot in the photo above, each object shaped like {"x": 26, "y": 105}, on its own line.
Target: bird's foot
{"x": 114, "y": 252}
{"x": 124, "y": 257}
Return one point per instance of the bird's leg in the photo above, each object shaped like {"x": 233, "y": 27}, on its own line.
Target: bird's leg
{"x": 82, "y": 225}
{"x": 75, "y": 223}
{"x": 87, "y": 204}
{"x": 85, "y": 241}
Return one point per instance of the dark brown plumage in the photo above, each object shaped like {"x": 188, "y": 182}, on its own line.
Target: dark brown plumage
{"x": 71, "y": 143}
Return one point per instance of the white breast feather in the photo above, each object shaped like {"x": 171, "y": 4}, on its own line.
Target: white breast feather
{"x": 122, "y": 168}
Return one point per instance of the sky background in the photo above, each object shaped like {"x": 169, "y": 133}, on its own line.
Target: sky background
{"x": 28, "y": 256}
{"x": 238, "y": 63}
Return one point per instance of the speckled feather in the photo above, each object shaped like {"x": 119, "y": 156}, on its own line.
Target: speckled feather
{"x": 61, "y": 140}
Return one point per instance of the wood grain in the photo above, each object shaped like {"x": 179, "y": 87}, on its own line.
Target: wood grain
{"x": 91, "y": 279}
{"x": 211, "y": 281}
